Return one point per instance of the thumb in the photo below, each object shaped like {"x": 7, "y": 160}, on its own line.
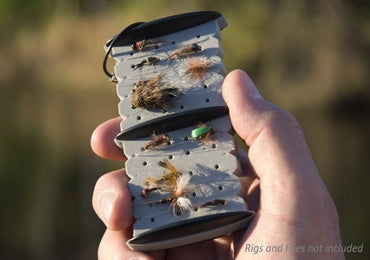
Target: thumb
{"x": 249, "y": 112}
{"x": 276, "y": 142}
{"x": 278, "y": 151}
{"x": 294, "y": 198}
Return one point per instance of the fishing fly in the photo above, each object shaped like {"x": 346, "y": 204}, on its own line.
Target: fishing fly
{"x": 152, "y": 93}
{"x": 202, "y": 132}
{"x": 197, "y": 68}
{"x": 145, "y": 192}
{"x": 179, "y": 200}
{"x": 158, "y": 140}
{"x": 165, "y": 183}
{"x": 146, "y": 61}
{"x": 214, "y": 202}
{"x": 141, "y": 45}
{"x": 184, "y": 51}
{"x": 179, "y": 185}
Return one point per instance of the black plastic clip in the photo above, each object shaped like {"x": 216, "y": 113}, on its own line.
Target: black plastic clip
{"x": 172, "y": 122}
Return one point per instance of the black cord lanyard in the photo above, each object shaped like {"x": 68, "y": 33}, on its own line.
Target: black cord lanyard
{"x": 111, "y": 43}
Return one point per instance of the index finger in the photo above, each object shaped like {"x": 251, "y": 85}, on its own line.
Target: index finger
{"x": 102, "y": 140}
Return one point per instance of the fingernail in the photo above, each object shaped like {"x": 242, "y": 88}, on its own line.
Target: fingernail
{"x": 251, "y": 89}
{"x": 137, "y": 258}
{"x": 106, "y": 205}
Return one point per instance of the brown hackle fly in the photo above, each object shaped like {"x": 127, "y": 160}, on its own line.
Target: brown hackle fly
{"x": 197, "y": 68}
{"x": 214, "y": 202}
{"x": 153, "y": 93}
{"x": 184, "y": 51}
{"x": 158, "y": 140}
{"x": 141, "y": 45}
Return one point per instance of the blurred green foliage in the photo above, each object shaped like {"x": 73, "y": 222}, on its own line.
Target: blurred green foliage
{"x": 310, "y": 57}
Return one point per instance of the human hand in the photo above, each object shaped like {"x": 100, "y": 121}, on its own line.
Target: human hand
{"x": 294, "y": 207}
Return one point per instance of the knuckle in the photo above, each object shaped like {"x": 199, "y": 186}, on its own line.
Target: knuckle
{"x": 281, "y": 118}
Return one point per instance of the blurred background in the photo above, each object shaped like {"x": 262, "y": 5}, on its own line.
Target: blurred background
{"x": 309, "y": 57}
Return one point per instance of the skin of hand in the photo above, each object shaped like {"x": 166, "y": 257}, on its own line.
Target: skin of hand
{"x": 281, "y": 182}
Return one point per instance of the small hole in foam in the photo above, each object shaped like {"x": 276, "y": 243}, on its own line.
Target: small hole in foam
{"x": 217, "y": 166}
{"x": 145, "y": 163}
{"x": 170, "y": 157}
{"x": 138, "y": 117}
{"x": 220, "y": 187}
{"x": 152, "y": 219}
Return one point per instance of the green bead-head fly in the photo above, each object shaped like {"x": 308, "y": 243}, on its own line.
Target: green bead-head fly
{"x": 203, "y": 132}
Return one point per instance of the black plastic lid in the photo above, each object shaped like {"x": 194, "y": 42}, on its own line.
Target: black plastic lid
{"x": 147, "y": 30}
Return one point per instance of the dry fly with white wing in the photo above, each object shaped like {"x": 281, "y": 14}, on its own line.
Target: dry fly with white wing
{"x": 180, "y": 202}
